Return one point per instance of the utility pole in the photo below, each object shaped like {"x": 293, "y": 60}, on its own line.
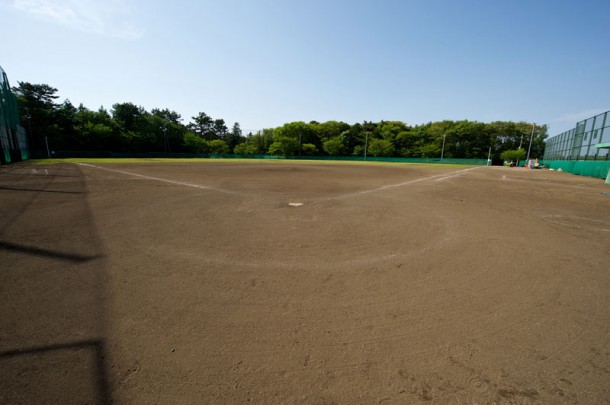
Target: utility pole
{"x": 530, "y": 147}
{"x": 46, "y": 141}
{"x": 521, "y": 141}
{"x": 30, "y": 135}
{"x": 165, "y": 141}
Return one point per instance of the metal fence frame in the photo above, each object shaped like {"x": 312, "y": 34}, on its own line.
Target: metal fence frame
{"x": 584, "y": 142}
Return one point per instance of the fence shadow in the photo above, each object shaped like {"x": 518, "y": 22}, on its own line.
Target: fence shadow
{"x": 53, "y": 284}
{"x": 100, "y": 375}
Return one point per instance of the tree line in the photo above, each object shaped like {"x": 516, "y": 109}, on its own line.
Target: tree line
{"x": 127, "y": 127}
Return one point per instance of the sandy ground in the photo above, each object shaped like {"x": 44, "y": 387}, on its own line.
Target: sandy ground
{"x": 199, "y": 283}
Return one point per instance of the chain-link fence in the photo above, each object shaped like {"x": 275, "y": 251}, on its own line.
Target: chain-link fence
{"x": 13, "y": 139}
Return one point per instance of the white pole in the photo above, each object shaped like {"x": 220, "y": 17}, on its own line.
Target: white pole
{"x": 366, "y": 144}
{"x": 521, "y": 141}
{"x": 530, "y": 147}
{"x": 489, "y": 157}
{"x": 46, "y": 141}
{"x": 443, "y": 149}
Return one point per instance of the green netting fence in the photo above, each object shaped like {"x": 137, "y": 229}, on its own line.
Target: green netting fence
{"x": 13, "y": 140}
{"x": 597, "y": 169}
{"x": 102, "y": 154}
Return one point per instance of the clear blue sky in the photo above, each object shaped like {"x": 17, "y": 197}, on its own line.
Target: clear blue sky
{"x": 268, "y": 62}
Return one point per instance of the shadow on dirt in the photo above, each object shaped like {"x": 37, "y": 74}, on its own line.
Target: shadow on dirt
{"x": 53, "y": 290}
{"x": 12, "y": 247}
{"x": 95, "y": 346}
{"x": 41, "y": 190}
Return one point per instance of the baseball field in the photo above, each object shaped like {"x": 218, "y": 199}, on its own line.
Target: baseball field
{"x": 152, "y": 281}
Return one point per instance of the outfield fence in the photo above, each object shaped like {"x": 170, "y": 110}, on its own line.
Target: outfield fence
{"x": 13, "y": 139}
{"x": 159, "y": 155}
{"x": 591, "y": 168}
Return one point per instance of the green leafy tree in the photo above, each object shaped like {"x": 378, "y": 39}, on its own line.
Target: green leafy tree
{"x": 429, "y": 150}
{"x": 217, "y": 147}
{"x": 101, "y": 137}
{"x": 195, "y": 143}
{"x": 96, "y": 130}
{"x": 309, "y": 149}
{"x": 65, "y": 136}
{"x": 220, "y": 129}
{"x": 284, "y": 146}
{"x": 290, "y": 137}
{"x": 263, "y": 140}
{"x": 168, "y": 122}
{"x": 129, "y": 127}
{"x": 380, "y": 147}
{"x": 128, "y": 116}
{"x": 506, "y": 135}
{"x": 334, "y": 146}
{"x": 358, "y": 151}
{"x": 37, "y": 110}
{"x": 353, "y": 138}
{"x": 235, "y": 136}
{"x": 202, "y": 125}
{"x": 329, "y": 129}
{"x": 513, "y": 155}
{"x": 245, "y": 149}
{"x": 540, "y": 133}
{"x": 167, "y": 114}
{"x": 405, "y": 142}
{"x": 389, "y": 130}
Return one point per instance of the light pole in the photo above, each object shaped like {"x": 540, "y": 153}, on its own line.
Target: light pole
{"x": 443, "y": 149}
{"x": 521, "y": 141}
{"x": 30, "y": 135}
{"x": 165, "y": 141}
{"x": 46, "y": 141}
{"x": 166, "y": 147}
{"x": 530, "y": 147}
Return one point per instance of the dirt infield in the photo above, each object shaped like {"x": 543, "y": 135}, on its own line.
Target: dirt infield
{"x": 200, "y": 283}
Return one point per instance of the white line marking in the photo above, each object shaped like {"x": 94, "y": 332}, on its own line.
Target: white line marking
{"x": 436, "y": 177}
{"x": 178, "y": 183}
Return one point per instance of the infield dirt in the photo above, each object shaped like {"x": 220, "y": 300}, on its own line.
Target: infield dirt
{"x": 200, "y": 283}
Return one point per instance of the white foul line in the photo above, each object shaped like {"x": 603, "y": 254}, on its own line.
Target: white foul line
{"x": 436, "y": 177}
{"x": 178, "y": 183}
